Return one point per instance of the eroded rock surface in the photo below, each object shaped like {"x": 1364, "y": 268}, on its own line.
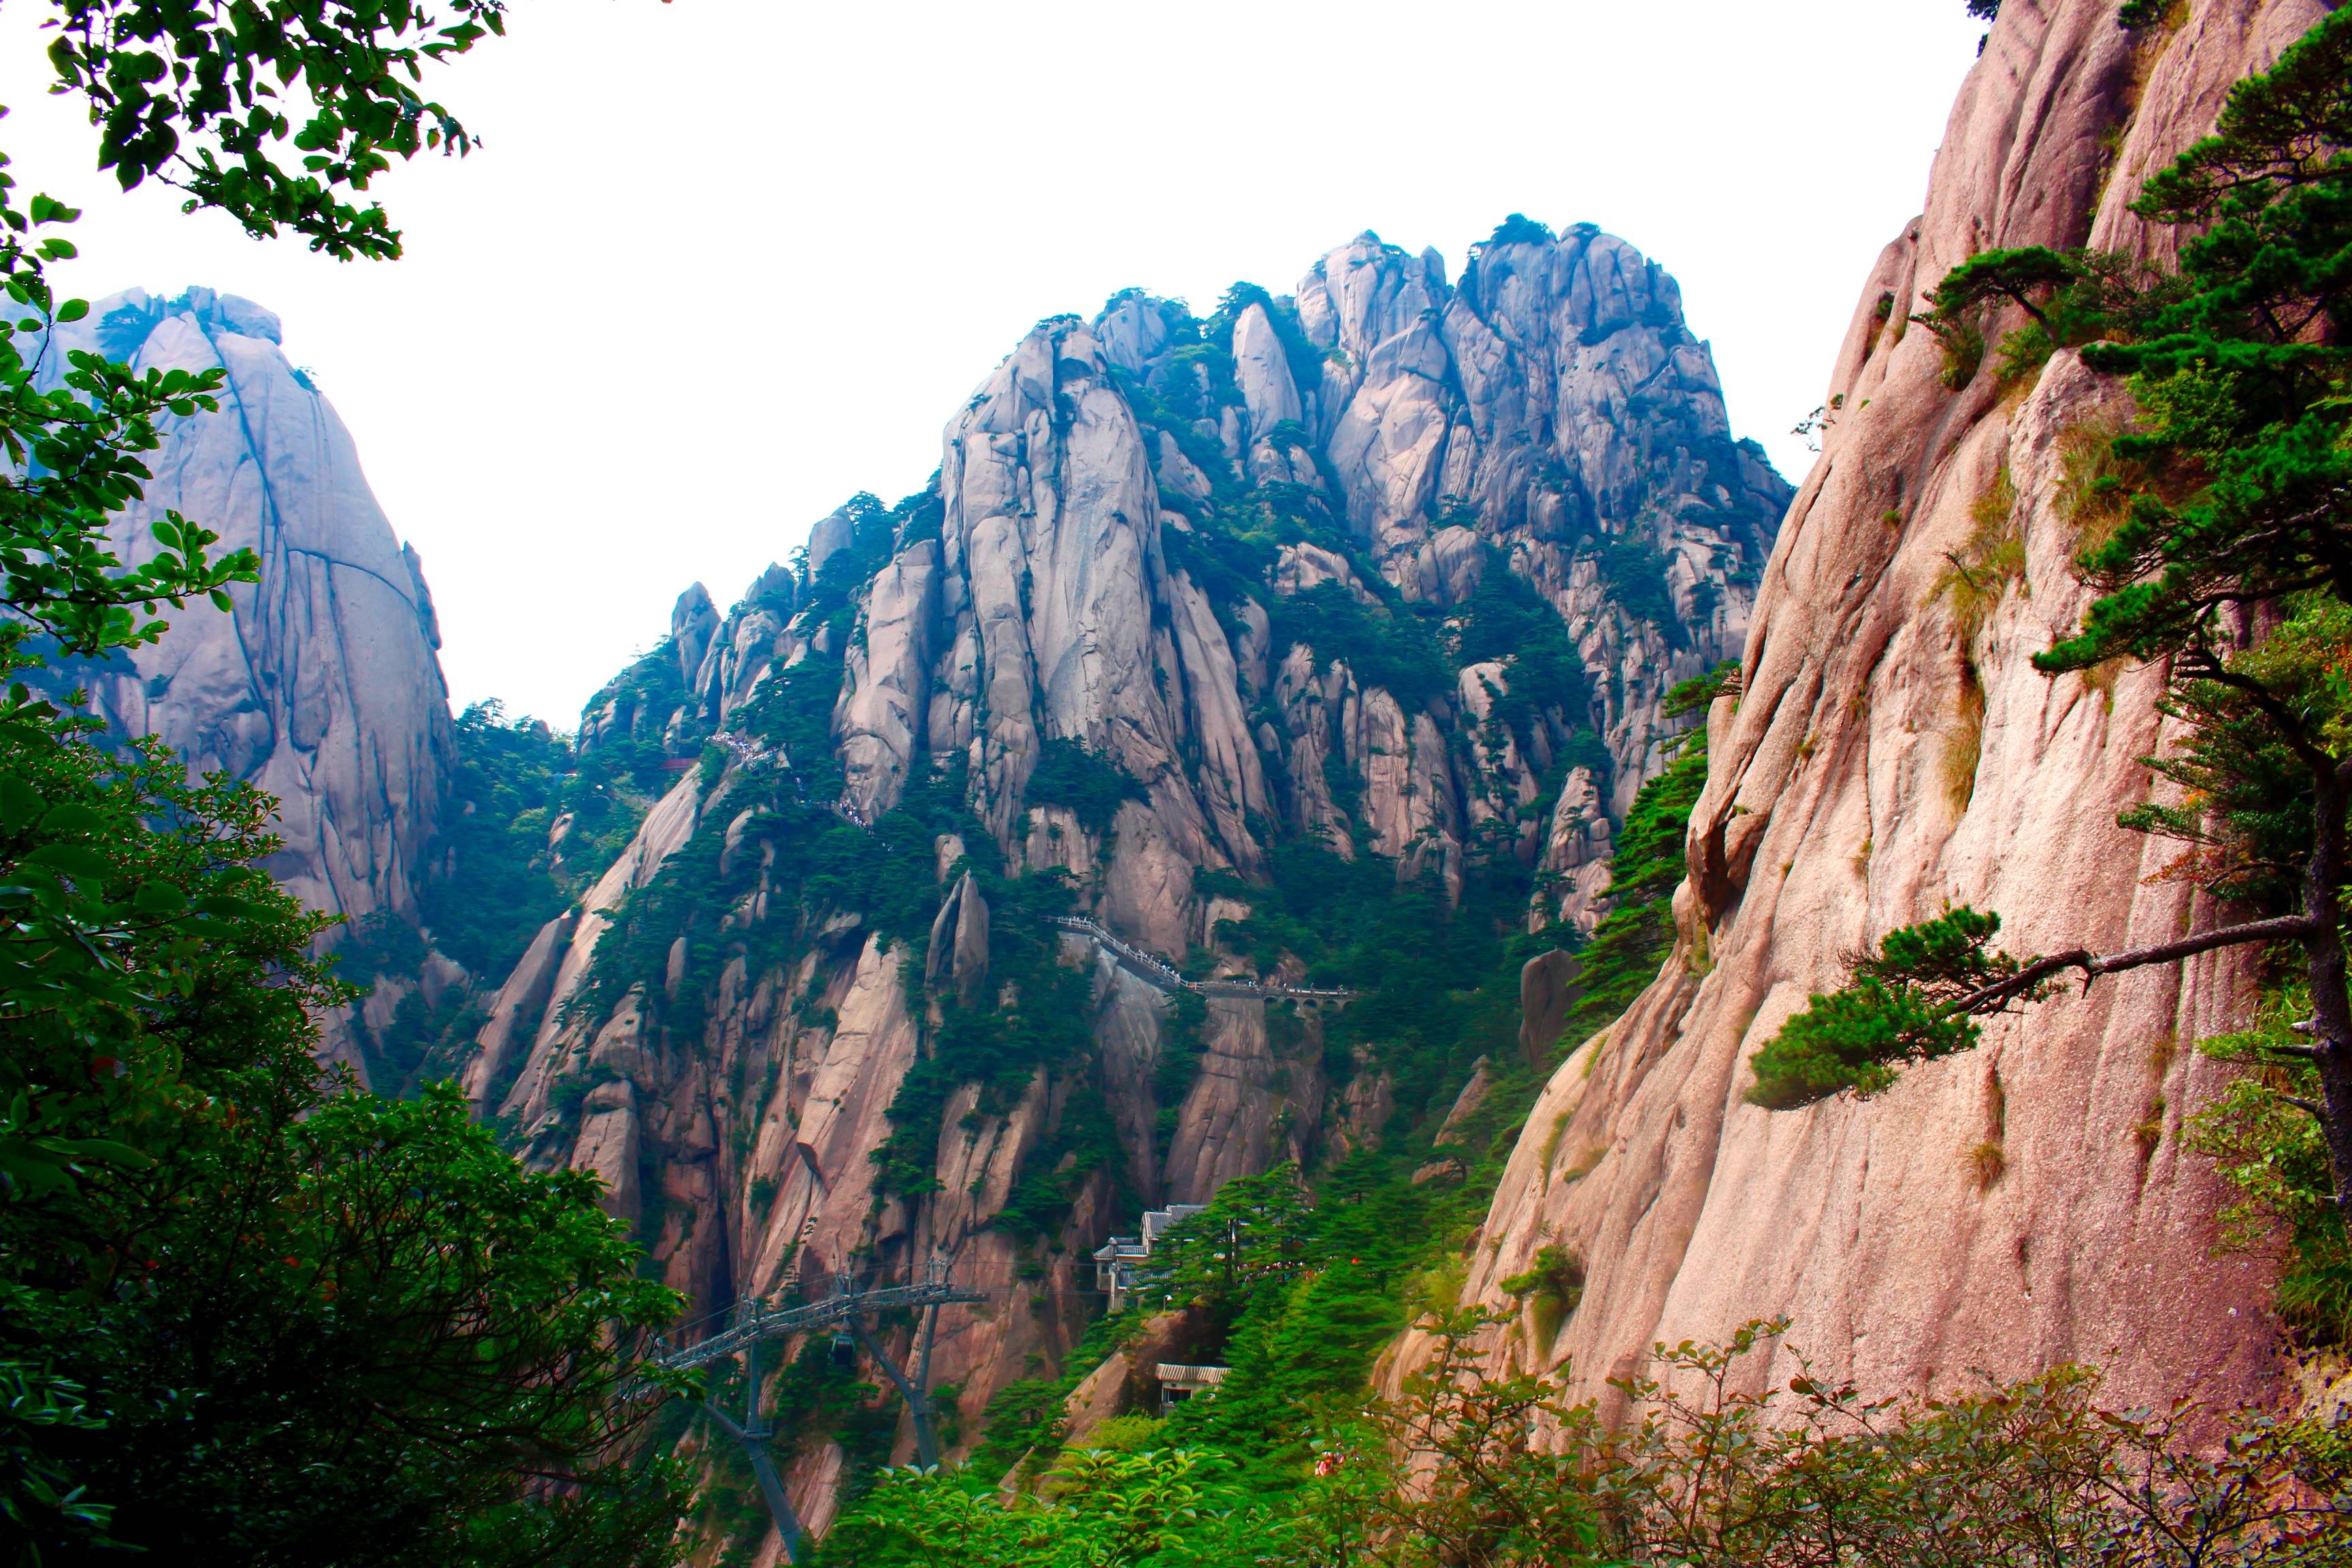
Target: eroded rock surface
{"x": 1062, "y": 606}
{"x": 324, "y": 686}
{"x": 2029, "y": 1202}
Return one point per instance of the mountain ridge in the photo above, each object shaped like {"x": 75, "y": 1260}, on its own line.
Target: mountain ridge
{"x": 1171, "y": 639}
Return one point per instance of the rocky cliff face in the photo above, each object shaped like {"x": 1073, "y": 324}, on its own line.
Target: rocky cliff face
{"x": 2029, "y": 1202}
{"x": 323, "y": 686}
{"x": 1393, "y": 571}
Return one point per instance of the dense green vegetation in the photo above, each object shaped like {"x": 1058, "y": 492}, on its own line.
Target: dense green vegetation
{"x": 1725, "y": 1468}
{"x": 500, "y": 886}
{"x": 246, "y": 1314}
{"x": 1646, "y": 865}
{"x": 2272, "y": 1151}
{"x": 1046, "y": 1024}
{"x": 1295, "y": 1285}
{"x": 515, "y": 781}
{"x": 1635, "y": 570}
{"x": 499, "y": 879}
{"x": 1507, "y": 621}
{"x": 1091, "y": 785}
{"x": 1388, "y": 644}
{"x": 631, "y": 746}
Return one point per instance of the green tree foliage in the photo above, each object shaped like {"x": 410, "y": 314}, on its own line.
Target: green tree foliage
{"x": 246, "y": 1315}
{"x": 2272, "y": 1151}
{"x": 1901, "y": 1007}
{"x": 205, "y": 99}
{"x": 1520, "y": 229}
{"x": 2016, "y": 276}
{"x": 1390, "y": 645}
{"x": 234, "y": 1277}
{"x": 75, "y": 455}
{"x": 793, "y": 707}
{"x": 1304, "y": 360}
{"x": 514, "y": 778}
{"x": 631, "y": 747}
{"x": 1301, "y": 1338}
{"x": 1506, "y": 620}
{"x": 1437, "y": 981}
{"x": 1647, "y": 864}
{"x": 1090, "y": 784}
{"x": 1635, "y": 570}
{"x": 2232, "y": 561}
{"x": 1723, "y": 1468}
{"x": 1254, "y": 1231}
{"x": 1105, "y": 1509}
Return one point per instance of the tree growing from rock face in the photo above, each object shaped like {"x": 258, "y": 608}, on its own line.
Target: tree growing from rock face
{"x": 2017, "y": 276}
{"x": 2232, "y": 564}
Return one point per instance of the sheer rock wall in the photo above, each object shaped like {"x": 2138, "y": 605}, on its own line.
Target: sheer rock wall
{"x": 324, "y": 686}
{"x": 2028, "y": 1202}
{"x": 1549, "y": 406}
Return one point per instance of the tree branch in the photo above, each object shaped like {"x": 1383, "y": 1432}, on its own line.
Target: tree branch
{"x": 1993, "y": 997}
{"x": 2030, "y": 309}
{"x": 2291, "y": 728}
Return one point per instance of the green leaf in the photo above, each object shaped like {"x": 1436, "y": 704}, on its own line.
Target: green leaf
{"x": 20, "y": 803}
{"x": 107, "y": 1150}
{"x": 159, "y": 898}
{"x": 223, "y": 907}
{"x": 72, "y": 819}
{"x": 76, "y": 860}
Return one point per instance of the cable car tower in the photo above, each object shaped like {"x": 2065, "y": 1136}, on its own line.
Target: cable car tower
{"x": 757, "y": 1321}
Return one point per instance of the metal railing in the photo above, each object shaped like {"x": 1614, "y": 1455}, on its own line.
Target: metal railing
{"x": 758, "y": 1322}
{"x": 1156, "y": 971}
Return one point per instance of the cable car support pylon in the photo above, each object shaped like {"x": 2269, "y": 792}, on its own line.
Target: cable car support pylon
{"x": 756, "y": 1322}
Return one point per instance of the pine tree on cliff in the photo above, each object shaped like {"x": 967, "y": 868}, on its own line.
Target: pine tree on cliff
{"x": 2231, "y": 563}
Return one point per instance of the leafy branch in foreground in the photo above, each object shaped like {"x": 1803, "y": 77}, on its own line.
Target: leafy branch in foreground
{"x": 247, "y": 1315}
{"x": 243, "y": 1313}
{"x": 2260, "y": 1134}
{"x": 205, "y": 97}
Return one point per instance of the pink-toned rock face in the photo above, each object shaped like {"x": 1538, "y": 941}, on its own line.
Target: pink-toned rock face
{"x": 323, "y": 685}
{"x": 1547, "y": 413}
{"x": 2027, "y": 1203}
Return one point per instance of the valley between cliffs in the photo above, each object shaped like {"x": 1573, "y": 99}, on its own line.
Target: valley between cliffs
{"x": 1271, "y": 643}
{"x": 1269, "y": 739}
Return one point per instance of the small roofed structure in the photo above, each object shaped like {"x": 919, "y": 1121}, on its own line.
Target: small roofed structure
{"x": 1178, "y": 1383}
{"x": 1116, "y": 1259}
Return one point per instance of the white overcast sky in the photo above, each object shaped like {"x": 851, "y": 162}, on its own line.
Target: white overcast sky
{"x": 722, "y": 263}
